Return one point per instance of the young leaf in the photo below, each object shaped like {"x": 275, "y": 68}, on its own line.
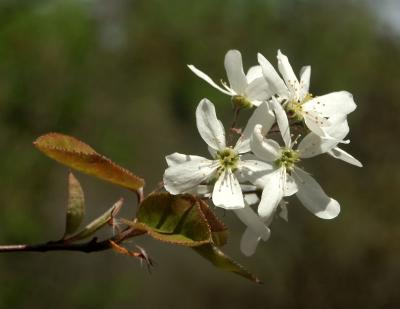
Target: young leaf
{"x": 71, "y": 152}
{"x": 219, "y": 231}
{"x": 141, "y": 254}
{"x": 76, "y": 206}
{"x": 222, "y": 261}
{"x": 96, "y": 224}
{"x": 176, "y": 219}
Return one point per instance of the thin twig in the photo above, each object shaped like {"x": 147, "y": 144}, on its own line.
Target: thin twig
{"x": 232, "y": 130}
{"x": 91, "y": 246}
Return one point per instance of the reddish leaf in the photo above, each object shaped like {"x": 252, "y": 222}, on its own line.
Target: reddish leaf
{"x": 73, "y": 153}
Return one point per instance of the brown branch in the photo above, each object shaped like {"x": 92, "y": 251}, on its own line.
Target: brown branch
{"x": 91, "y": 246}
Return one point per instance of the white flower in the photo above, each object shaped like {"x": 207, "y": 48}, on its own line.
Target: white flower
{"x": 245, "y": 90}
{"x": 298, "y": 102}
{"x": 185, "y": 173}
{"x": 284, "y": 178}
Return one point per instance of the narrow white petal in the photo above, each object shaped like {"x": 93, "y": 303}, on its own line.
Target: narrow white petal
{"x": 282, "y": 121}
{"x": 328, "y": 105}
{"x": 253, "y": 221}
{"x": 227, "y": 192}
{"x": 288, "y": 75}
{"x": 273, "y": 192}
{"x": 210, "y": 128}
{"x": 254, "y": 73}
{"x": 182, "y": 177}
{"x": 313, "y": 197}
{"x": 305, "y": 75}
{"x": 249, "y": 242}
{"x": 262, "y": 115}
{"x": 234, "y": 71}
{"x": 343, "y": 155}
{"x": 208, "y": 79}
{"x": 266, "y": 149}
{"x": 275, "y": 82}
{"x": 178, "y": 158}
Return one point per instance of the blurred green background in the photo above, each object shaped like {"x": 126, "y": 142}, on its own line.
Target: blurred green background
{"x": 113, "y": 73}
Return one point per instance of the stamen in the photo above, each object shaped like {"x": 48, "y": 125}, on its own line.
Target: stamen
{"x": 228, "y": 159}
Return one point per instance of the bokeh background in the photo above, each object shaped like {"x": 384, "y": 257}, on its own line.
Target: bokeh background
{"x": 113, "y": 73}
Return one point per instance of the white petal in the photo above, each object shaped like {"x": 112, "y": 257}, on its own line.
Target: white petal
{"x": 257, "y": 91}
{"x": 210, "y": 128}
{"x": 201, "y": 190}
{"x": 253, "y": 221}
{"x": 208, "y": 79}
{"x": 305, "y": 75}
{"x": 254, "y": 73}
{"x": 266, "y": 149}
{"x": 313, "y": 197}
{"x": 282, "y": 121}
{"x": 254, "y": 171}
{"x": 249, "y": 242}
{"x": 251, "y": 199}
{"x": 262, "y": 115}
{"x": 273, "y": 192}
{"x": 284, "y": 214}
{"x": 213, "y": 152}
{"x": 227, "y": 192}
{"x": 178, "y": 158}
{"x": 316, "y": 123}
{"x": 275, "y": 82}
{"x": 313, "y": 145}
{"x": 338, "y": 127}
{"x": 290, "y": 187}
{"x": 182, "y": 177}
{"x": 234, "y": 71}
{"x": 288, "y": 75}
{"x": 340, "y": 102}
{"x": 343, "y": 155}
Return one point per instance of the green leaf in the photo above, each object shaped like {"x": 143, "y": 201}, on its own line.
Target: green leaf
{"x": 176, "y": 219}
{"x": 96, "y": 224}
{"x": 222, "y": 261}
{"x": 76, "y": 205}
{"x": 72, "y": 152}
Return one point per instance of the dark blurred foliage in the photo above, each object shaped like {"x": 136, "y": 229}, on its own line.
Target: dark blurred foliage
{"x": 113, "y": 73}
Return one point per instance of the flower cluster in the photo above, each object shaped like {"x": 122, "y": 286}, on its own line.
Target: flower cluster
{"x": 259, "y": 170}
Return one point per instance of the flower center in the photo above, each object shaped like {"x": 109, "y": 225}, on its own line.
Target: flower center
{"x": 294, "y": 108}
{"x": 288, "y": 159}
{"x": 241, "y": 101}
{"x": 228, "y": 159}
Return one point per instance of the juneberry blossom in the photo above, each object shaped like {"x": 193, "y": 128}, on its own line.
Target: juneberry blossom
{"x": 298, "y": 102}
{"x": 187, "y": 173}
{"x": 246, "y": 90}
